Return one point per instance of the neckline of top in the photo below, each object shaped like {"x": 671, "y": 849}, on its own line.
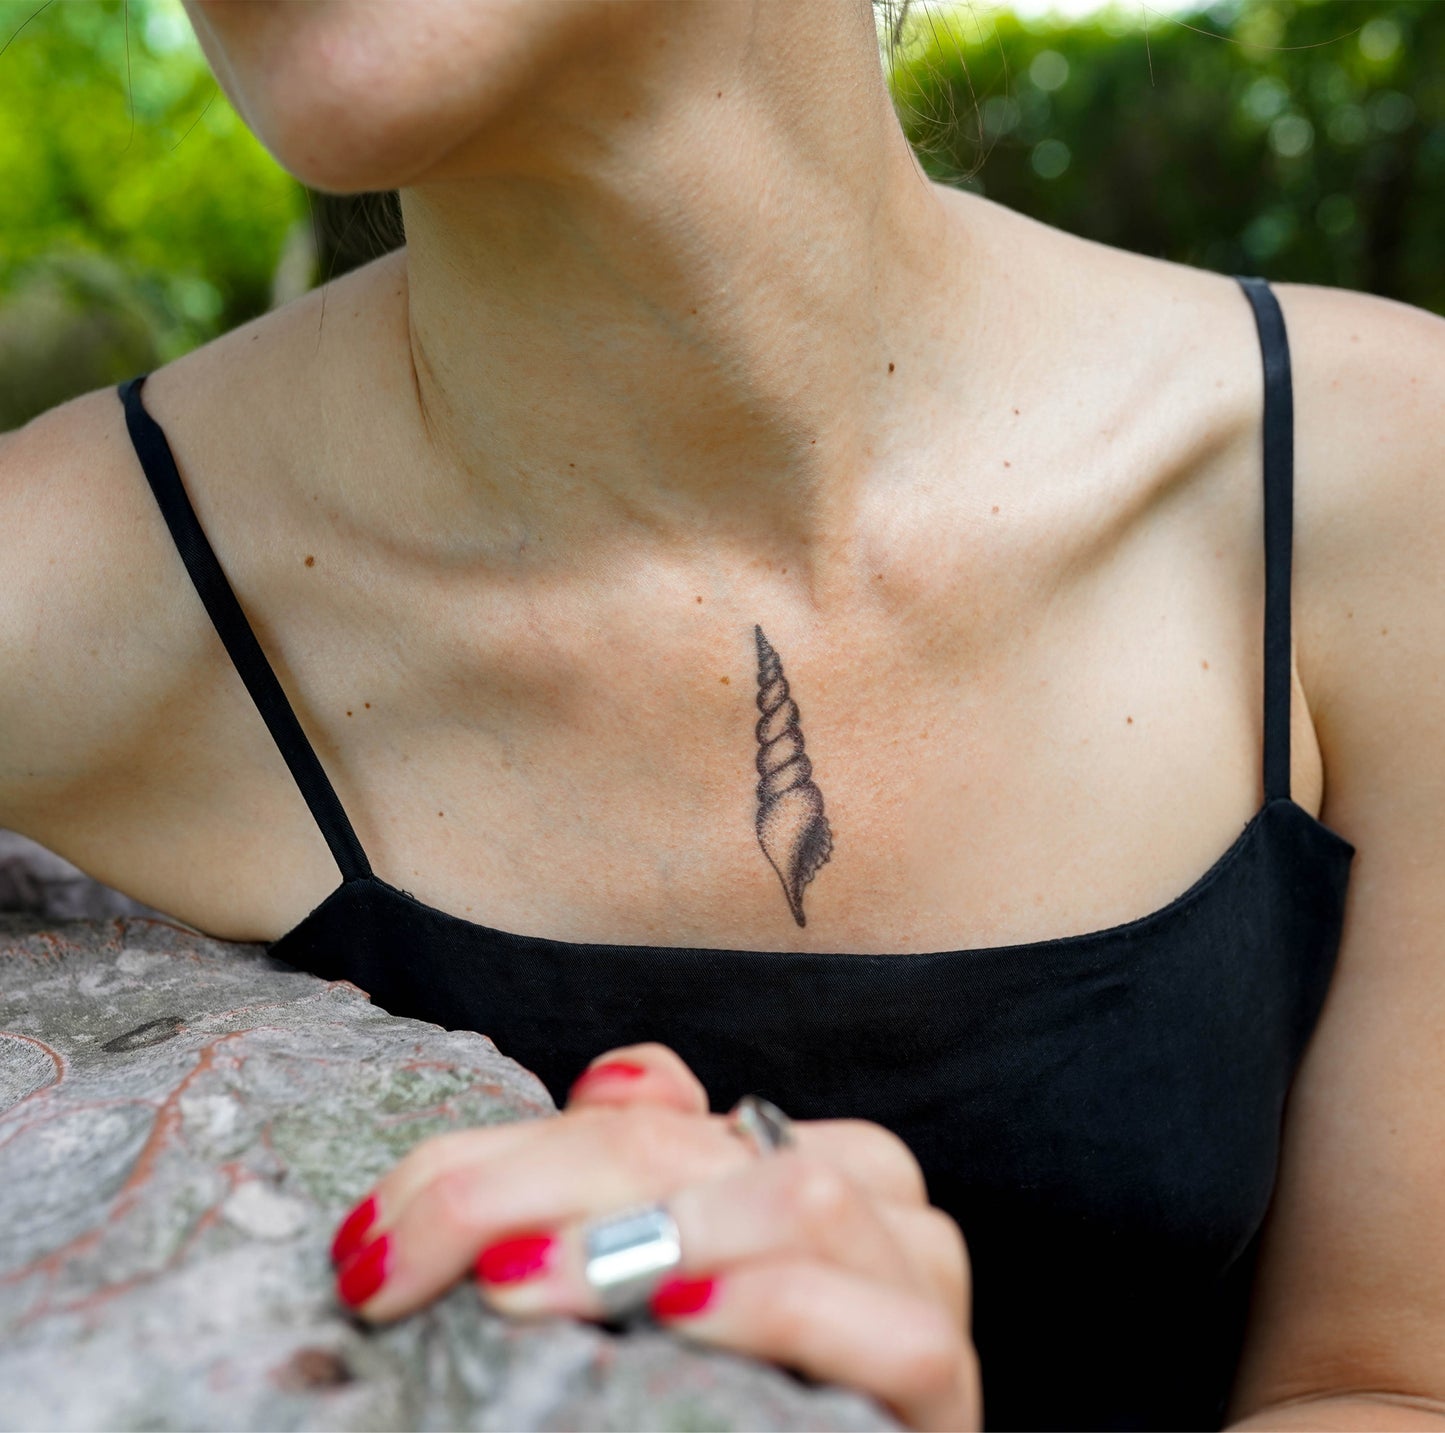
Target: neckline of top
{"x": 1124, "y": 930}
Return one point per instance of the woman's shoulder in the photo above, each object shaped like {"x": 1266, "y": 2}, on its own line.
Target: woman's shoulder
{"x": 105, "y": 652}
{"x": 101, "y": 636}
{"x": 1369, "y": 443}
{"x": 1139, "y": 345}
{"x": 1181, "y": 357}
{"x": 1369, "y": 422}
{"x": 91, "y": 642}
{"x": 97, "y": 616}
{"x": 1368, "y": 375}
{"x": 1369, "y": 415}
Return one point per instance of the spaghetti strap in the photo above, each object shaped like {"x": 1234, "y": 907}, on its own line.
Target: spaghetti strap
{"x": 1278, "y": 530}
{"x": 235, "y": 632}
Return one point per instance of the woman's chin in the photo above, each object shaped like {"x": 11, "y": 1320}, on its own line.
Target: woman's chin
{"x": 350, "y": 97}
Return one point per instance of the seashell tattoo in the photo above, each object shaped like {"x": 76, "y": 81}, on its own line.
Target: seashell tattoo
{"x": 791, "y": 826}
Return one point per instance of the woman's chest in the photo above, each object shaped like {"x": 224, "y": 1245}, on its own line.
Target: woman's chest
{"x": 938, "y": 759}
{"x": 1008, "y": 708}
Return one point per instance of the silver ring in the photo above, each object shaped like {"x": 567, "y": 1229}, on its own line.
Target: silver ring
{"x": 628, "y": 1255}
{"x": 762, "y": 1124}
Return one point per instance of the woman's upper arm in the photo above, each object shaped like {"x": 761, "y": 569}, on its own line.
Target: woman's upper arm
{"x": 80, "y": 654}
{"x": 1350, "y": 1293}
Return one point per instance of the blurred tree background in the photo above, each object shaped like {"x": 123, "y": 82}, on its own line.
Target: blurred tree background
{"x": 1299, "y": 139}
{"x": 1302, "y": 141}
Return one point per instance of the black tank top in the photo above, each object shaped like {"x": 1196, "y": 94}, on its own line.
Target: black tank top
{"x": 1101, "y": 1113}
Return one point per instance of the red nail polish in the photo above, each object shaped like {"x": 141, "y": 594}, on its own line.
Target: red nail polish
{"x": 364, "y": 1273}
{"x": 619, "y": 1069}
{"x": 676, "y": 1298}
{"x": 510, "y": 1260}
{"x": 352, "y": 1233}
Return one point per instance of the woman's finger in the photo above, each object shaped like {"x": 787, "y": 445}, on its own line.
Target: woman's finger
{"x": 633, "y": 1073}
{"x": 871, "y": 1154}
{"x": 630, "y": 1074}
{"x": 655, "y": 1074}
{"x": 875, "y": 1157}
{"x": 438, "y": 1208}
{"x": 591, "y": 1160}
{"x": 936, "y": 1245}
{"x": 782, "y": 1207}
{"x": 826, "y": 1322}
{"x": 380, "y": 1208}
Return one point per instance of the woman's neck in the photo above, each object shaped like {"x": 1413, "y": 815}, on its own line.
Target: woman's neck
{"x": 688, "y": 284}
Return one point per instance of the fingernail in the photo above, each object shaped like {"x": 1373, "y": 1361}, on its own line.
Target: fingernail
{"x": 364, "y": 1273}
{"x": 676, "y": 1298}
{"x": 618, "y": 1069}
{"x": 352, "y": 1233}
{"x": 511, "y": 1260}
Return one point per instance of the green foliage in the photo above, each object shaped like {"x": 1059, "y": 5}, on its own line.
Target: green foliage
{"x": 1300, "y": 139}
{"x": 129, "y": 180}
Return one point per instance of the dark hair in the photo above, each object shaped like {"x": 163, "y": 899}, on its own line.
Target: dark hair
{"x": 352, "y": 229}
{"x": 892, "y": 13}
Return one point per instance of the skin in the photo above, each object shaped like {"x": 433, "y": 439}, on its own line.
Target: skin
{"x": 682, "y": 342}
{"x": 812, "y": 1249}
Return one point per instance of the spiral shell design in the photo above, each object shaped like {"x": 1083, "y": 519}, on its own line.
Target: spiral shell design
{"x": 792, "y": 829}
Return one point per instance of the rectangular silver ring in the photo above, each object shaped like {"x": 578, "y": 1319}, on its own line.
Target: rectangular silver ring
{"x": 629, "y": 1253}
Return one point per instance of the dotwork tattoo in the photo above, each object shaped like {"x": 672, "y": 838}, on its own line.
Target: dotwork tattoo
{"x": 792, "y": 829}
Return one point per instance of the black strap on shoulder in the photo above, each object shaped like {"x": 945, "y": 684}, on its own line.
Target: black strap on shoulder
{"x": 1278, "y": 529}
{"x": 235, "y": 632}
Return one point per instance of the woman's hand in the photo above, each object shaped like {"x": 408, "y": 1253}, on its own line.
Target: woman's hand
{"x": 826, "y": 1257}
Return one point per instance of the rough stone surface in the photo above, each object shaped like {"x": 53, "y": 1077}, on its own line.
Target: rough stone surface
{"x": 182, "y": 1124}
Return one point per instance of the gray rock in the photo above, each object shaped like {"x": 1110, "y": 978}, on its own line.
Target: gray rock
{"x": 183, "y": 1122}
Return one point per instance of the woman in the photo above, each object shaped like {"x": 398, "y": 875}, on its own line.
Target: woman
{"x": 736, "y": 611}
